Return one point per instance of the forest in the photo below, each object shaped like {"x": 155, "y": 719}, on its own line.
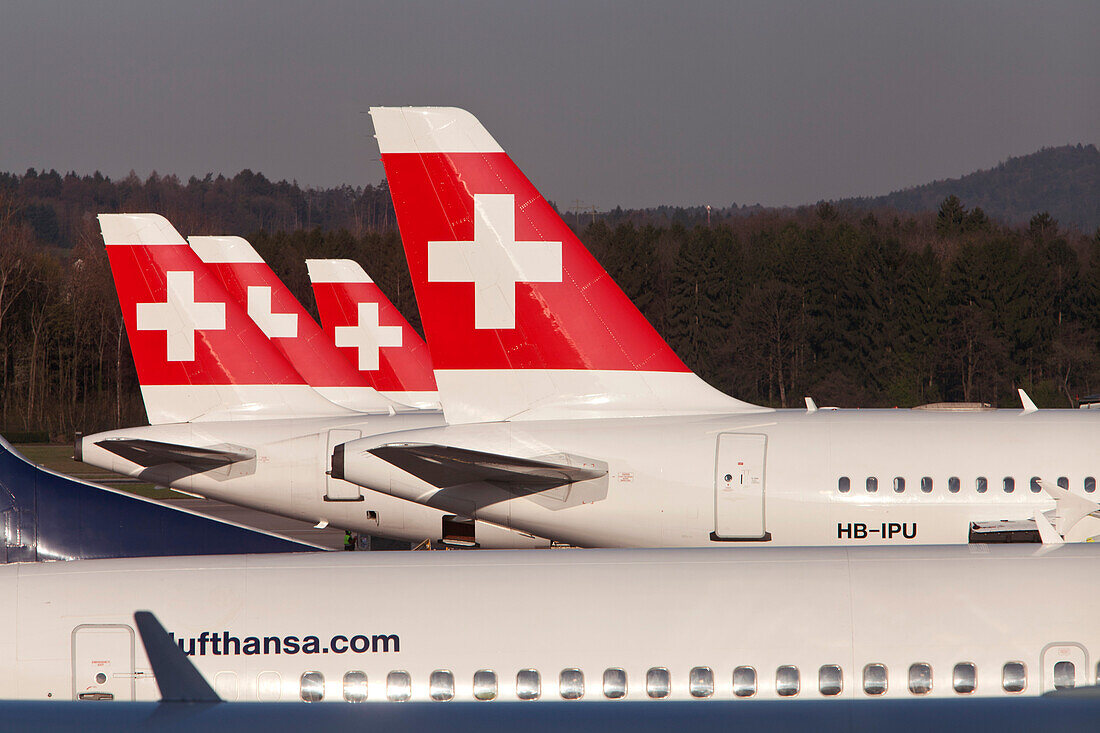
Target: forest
{"x": 854, "y": 306}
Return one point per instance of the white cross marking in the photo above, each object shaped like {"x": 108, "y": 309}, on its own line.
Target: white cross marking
{"x": 180, "y": 316}
{"x": 274, "y": 325}
{"x": 368, "y": 336}
{"x": 494, "y": 261}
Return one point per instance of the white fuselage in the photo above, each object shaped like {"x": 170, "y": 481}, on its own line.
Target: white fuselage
{"x": 777, "y": 476}
{"x": 769, "y": 616}
{"x": 289, "y": 473}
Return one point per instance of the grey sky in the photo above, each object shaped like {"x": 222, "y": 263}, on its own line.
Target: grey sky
{"x": 611, "y": 103}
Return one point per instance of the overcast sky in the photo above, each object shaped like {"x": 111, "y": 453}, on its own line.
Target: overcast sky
{"x": 625, "y": 103}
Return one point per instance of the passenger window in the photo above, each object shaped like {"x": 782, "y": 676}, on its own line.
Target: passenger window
{"x": 355, "y": 686}
{"x": 920, "y": 678}
{"x": 830, "y": 680}
{"x": 485, "y": 684}
{"x": 744, "y": 682}
{"x": 1065, "y": 675}
{"x": 571, "y": 684}
{"x": 926, "y": 484}
{"x": 953, "y": 484}
{"x": 614, "y": 683}
{"x": 899, "y": 484}
{"x": 786, "y": 681}
{"x": 312, "y": 687}
{"x": 965, "y": 678}
{"x": 701, "y": 682}
{"x": 441, "y": 685}
{"x": 872, "y": 484}
{"x": 528, "y": 684}
{"x": 1014, "y": 677}
{"x": 1035, "y": 487}
{"x": 844, "y": 484}
{"x": 1090, "y": 484}
{"x": 981, "y": 484}
{"x": 658, "y": 683}
{"x": 874, "y": 679}
{"x": 1063, "y": 483}
{"x": 1010, "y": 484}
{"x": 398, "y": 686}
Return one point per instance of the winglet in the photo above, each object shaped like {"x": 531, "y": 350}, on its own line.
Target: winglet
{"x": 811, "y": 406}
{"x": 177, "y": 678}
{"x": 1047, "y": 533}
{"x": 1029, "y": 406}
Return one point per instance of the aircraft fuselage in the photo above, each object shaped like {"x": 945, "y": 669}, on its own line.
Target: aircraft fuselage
{"x": 789, "y": 477}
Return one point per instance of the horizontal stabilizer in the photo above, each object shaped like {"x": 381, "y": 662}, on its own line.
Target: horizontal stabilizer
{"x": 177, "y": 678}
{"x": 1069, "y": 508}
{"x": 149, "y": 453}
{"x": 50, "y": 516}
{"x": 444, "y": 466}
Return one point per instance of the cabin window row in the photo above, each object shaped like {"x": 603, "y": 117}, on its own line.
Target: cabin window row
{"x": 658, "y": 682}
{"x": 954, "y": 485}
{"x": 875, "y": 679}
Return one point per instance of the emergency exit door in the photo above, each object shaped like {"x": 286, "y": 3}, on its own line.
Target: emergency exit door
{"x": 739, "y": 487}
{"x": 338, "y": 489}
{"x": 103, "y": 662}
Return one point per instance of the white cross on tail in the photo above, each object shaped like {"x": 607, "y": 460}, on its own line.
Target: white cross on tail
{"x": 494, "y": 261}
{"x": 368, "y": 337}
{"x": 274, "y": 325}
{"x": 180, "y": 316}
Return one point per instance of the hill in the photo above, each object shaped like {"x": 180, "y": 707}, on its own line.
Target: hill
{"x": 1064, "y": 181}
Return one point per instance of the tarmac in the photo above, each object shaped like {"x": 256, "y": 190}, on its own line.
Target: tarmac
{"x": 329, "y": 537}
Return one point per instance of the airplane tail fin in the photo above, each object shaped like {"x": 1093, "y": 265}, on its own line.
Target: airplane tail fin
{"x": 279, "y": 315}
{"x": 371, "y": 333}
{"x": 198, "y": 354}
{"x": 522, "y": 322}
{"x": 49, "y": 516}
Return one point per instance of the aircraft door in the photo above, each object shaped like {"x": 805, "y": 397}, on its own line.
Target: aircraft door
{"x": 1065, "y": 664}
{"x": 739, "y": 487}
{"x": 103, "y": 662}
{"x": 338, "y": 489}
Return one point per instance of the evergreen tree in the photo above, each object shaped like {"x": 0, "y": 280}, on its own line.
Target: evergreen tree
{"x": 702, "y": 289}
{"x": 921, "y": 318}
{"x": 952, "y": 215}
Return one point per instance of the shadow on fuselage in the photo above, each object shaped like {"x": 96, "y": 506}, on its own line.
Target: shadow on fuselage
{"x": 1064, "y": 715}
{"x": 49, "y": 516}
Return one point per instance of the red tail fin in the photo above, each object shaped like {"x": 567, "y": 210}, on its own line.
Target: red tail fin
{"x": 198, "y": 355}
{"x": 253, "y": 285}
{"x": 521, "y": 320}
{"x": 371, "y": 333}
